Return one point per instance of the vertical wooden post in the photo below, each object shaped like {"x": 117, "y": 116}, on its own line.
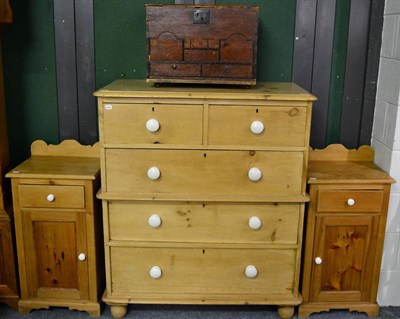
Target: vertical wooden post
{"x": 85, "y": 64}
{"x": 67, "y": 101}
{"x": 323, "y": 45}
{"x": 356, "y": 62}
{"x": 74, "y": 30}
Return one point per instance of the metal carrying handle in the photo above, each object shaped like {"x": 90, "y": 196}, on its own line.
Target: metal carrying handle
{"x": 194, "y": 1}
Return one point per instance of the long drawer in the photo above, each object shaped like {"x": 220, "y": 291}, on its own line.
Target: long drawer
{"x": 197, "y": 270}
{"x": 208, "y": 222}
{"x": 203, "y": 172}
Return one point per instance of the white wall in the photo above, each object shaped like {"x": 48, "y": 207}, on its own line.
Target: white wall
{"x": 386, "y": 142}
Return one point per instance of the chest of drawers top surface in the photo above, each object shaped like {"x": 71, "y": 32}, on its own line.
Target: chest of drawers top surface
{"x": 268, "y": 91}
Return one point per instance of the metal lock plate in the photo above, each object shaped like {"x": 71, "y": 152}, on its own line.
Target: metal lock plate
{"x": 201, "y": 16}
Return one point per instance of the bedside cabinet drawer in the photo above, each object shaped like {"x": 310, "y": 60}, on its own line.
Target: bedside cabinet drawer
{"x": 208, "y": 222}
{"x": 349, "y": 201}
{"x": 152, "y": 124}
{"x": 257, "y": 125}
{"x": 233, "y": 173}
{"x": 50, "y": 196}
{"x": 202, "y": 270}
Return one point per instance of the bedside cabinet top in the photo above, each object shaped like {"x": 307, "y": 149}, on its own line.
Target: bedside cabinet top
{"x": 336, "y": 164}
{"x": 68, "y": 160}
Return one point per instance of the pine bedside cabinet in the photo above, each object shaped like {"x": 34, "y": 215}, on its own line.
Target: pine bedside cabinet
{"x": 9, "y": 293}
{"x": 203, "y": 193}
{"x": 58, "y": 227}
{"x": 345, "y": 229}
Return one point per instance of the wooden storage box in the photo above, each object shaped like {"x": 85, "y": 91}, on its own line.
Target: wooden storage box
{"x": 202, "y": 44}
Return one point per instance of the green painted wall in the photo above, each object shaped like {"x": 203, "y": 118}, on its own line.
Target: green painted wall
{"x": 120, "y": 52}
{"x": 30, "y": 77}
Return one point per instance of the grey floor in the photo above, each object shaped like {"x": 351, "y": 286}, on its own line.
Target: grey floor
{"x": 191, "y": 312}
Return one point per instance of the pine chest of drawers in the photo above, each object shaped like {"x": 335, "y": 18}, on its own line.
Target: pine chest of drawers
{"x": 203, "y": 193}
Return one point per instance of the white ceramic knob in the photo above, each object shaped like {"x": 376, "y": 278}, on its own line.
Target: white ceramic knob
{"x": 153, "y": 173}
{"x": 255, "y": 222}
{"x": 81, "y": 256}
{"x": 255, "y": 174}
{"x": 154, "y": 221}
{"x": 152, "y": 125}
{"x": 257, "y": 127}
{"x": 155, "y": 272}
{"x": 318, "y": 260}
{"x": 251, "y": 271}
{"x": 351, "y": 202}
{"x": 51, "y": 197}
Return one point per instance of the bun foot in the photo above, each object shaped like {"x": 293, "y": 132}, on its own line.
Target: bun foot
{"x": 118, "y": 312}
{"x": 286, "y": 312}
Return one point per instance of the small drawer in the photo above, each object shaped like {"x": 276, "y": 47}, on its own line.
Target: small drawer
{"x": 199, "y": 173}
{"x": 171, "y": 70}
{"x": 202, "y": 270}
{"x": 349, "y": 201}
{"x": 209, "y": 222}
{"x": 50, "y": 196}
{"x": 228, "y": 71}
{"x": 257, "y": 125}
{"x": 152, "y": 124}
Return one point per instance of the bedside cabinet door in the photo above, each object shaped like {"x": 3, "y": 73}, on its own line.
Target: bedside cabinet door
{"x": 343, "y": 258}
{"x": 55, "y": 254}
